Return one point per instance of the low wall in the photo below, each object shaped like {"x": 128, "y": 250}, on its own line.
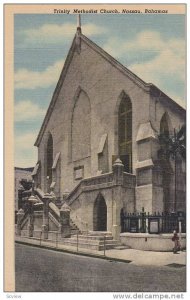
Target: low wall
{"x": 150, "y": 242}
{"x": 37, "y": 234}
{"x": 24, "y": 232}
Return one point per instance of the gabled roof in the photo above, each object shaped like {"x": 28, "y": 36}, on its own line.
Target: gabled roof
{"x": 147, "y": 87}
{"x": 56, "y": 92}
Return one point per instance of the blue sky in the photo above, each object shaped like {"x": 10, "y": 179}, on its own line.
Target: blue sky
{"x": 152, "y": 46}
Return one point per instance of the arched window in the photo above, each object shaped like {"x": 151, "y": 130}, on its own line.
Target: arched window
{"x": 81, "y": 128}
{"x": 167, "y": 173}
{"x": 164, "y": 127}
{"x": 49, "y": 157}
{"x": 125, "y": 133}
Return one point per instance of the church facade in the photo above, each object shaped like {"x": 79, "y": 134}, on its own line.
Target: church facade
{"x": 98, "y": 147}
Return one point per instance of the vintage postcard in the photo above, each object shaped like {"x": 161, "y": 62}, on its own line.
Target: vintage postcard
{"x": 95, "y": 148}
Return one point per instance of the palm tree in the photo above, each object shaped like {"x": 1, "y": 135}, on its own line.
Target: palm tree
{"x": 174, "y": 147}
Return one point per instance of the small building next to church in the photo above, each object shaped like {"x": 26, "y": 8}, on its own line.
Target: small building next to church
{"x": 98, "y": 147}
{"x": 22, "y": 175}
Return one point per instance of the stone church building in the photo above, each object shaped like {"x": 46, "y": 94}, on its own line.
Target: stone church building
{"x": 99, "y": 142}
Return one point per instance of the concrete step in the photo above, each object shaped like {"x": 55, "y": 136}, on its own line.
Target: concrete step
{"x": 74, "y": 231}
{"x": 74, "y": 228}
{"x": 93, "y": 237}
{"x": 90, "y": 244}
{"x": 92, "y": 241}
{"x": 99, "y": 233}
{"x": 72, "y": 224}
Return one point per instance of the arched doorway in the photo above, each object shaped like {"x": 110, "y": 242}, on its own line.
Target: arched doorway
{"x": 100, "y": 214}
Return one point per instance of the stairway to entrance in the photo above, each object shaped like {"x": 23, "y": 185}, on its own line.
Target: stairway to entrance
{"x": 74, "y": 228}
{"x": 94, "y": 240}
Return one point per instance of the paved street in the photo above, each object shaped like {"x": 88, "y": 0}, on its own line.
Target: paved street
{"x": 42, "y": 270}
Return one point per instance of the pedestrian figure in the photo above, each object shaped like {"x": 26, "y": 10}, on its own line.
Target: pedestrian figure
{"x": 175, "y": 239}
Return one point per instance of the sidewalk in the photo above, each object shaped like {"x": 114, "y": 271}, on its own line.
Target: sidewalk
{"x": 136, "y": 257}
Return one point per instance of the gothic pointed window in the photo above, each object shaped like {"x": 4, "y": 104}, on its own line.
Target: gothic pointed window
{"x": 125, "y": 133}
{"x": 49, "y": 157}
{"x": 164, "y": 127}
{"x": 165, "y": 162}
{"x": 81, "y": 128}
{"x": 164, "y": 137}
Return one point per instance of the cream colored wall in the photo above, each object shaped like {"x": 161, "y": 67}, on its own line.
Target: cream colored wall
{"x": 103, "y": 84}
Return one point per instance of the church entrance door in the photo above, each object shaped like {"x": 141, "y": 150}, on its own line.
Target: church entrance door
{"x": 100, "y": 214}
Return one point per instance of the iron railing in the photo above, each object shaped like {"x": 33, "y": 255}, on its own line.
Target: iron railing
{"x": 153, "y": 223}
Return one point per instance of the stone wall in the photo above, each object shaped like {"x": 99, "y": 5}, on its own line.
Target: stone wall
{"x": 86, "y": 110}
{"x": 90, "y": 74}
{"x": 115, "y": 196}
{"x": 150, "y": 242}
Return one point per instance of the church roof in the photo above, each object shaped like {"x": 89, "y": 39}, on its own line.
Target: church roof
{"x": 147, "y": 87}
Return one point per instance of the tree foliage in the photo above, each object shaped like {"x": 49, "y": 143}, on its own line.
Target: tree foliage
{"x": 173, "y": 145}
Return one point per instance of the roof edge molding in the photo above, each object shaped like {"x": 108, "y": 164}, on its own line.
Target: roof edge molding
{"x": 147, "y": 87}
{"x": 56, "y": 91}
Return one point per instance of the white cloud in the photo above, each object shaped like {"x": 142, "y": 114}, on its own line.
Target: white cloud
{"x": 26, "y": 140}
{"x": 25, "y": 152}
{"x": 25, "y": 110}
{"x": 166, "y": 63}
{"x": 166, "y": 70}
{"x": 26, "y": 79}
{"x": 54, "y": 33}
{"x": 93, "y": 29}
{"x": 145, "y": 41}
{"x": 158, "y": 61}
